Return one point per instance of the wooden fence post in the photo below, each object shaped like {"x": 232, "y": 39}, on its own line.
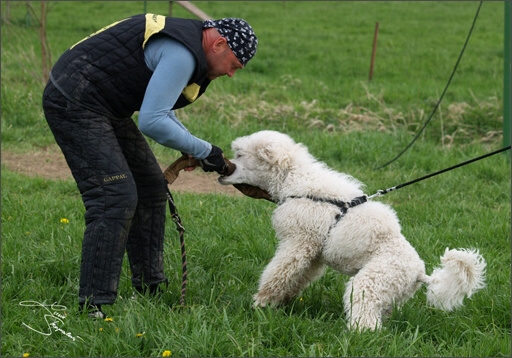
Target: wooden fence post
{"x": 507, "y": 72}
{"x": 374, "y": 50}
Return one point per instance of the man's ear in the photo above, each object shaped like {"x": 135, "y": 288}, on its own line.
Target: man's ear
{"x": 220, "y": 44}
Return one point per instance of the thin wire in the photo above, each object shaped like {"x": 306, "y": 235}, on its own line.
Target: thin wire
{"x": 442, "y": 95}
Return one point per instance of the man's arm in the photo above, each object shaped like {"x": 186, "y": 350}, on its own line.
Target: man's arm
{"x": 172, "y": 65}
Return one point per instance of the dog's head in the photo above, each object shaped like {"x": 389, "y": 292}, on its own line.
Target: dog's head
{"x": 261, "y": 159}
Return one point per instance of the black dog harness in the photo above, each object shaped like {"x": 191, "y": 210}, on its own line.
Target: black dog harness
{"x": 342, "y": 205}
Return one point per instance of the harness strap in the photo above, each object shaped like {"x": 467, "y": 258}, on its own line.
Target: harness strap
{"x": 342, "y": 205}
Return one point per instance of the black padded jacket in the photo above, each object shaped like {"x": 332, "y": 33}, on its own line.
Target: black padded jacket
{"x": 106, "y": 72}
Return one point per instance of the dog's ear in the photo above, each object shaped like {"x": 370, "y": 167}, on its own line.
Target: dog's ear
{"x": 275, "y": 155}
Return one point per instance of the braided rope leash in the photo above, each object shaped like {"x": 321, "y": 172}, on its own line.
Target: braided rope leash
{"x": 170, "y": 175}
{"x": 382, "y": 192}
{"x": 181, "y": 229}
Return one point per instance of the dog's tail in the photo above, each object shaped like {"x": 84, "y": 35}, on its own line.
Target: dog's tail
{"x": 462, "y": 273}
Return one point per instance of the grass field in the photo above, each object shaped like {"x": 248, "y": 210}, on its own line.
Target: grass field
{"x": 309, "y": 79}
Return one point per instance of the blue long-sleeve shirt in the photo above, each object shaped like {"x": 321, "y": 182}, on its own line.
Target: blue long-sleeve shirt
{"x": 172, "y": 65}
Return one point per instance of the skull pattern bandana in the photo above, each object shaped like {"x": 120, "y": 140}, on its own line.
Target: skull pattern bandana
{"x": 239, "y": 35}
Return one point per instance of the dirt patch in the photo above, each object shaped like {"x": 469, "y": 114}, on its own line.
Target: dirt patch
{"x": 50, "y": 164}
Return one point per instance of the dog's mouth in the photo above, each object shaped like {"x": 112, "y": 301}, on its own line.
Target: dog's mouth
{"x": 172, "y": 172}
{"x": 246, "y": 189}
{"x": 231, "y": 167}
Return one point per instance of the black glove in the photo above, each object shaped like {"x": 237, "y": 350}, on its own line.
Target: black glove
{"x": 214, "y": 162}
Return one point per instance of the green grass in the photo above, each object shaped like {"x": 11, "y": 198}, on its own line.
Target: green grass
{"x": 309, "y": 79}
{"x": 226, "y": 253}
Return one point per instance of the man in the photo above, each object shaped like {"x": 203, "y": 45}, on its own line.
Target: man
{"x": 147, "y": 63}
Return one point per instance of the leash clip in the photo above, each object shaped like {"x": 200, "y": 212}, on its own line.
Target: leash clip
{"x": 177, "y": 221}
{"x": 377, "y": 194}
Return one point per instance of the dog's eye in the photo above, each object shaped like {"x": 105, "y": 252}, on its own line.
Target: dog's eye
{"x": 238, "y": 155}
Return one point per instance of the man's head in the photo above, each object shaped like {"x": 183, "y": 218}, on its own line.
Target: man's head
{"x": 229, "y": 44}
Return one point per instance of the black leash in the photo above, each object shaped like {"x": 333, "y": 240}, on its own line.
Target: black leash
{"x": 177, "y": 220}
{"x": 382, "y": 192}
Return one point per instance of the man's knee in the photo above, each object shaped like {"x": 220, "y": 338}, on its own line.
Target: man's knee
{"x": 109, "y": 196}
{"x": 151, "y": 186}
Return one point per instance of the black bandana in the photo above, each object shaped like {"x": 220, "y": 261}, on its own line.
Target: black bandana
{"x": 239, "y": 35}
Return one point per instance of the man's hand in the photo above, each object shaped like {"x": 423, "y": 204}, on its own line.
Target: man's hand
{"x": 214, "y": 162}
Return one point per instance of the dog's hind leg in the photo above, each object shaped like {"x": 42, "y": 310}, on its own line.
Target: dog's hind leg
{"x": 291, "y": 270}
{"x": 362, "y": 308}
{"x": 372, "y": 292}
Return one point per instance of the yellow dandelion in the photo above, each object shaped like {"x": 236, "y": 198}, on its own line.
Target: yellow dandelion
{"x": 101, "y": 329}
{"x": 166, "y": 354}
{"x": 138, "y": 335}
{"x": 26, "y": 354}
{"x": 109, "y": 319}
{"x": 64, "y": 221}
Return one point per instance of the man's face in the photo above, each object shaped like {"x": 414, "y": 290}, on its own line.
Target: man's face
{"x": 222, "y": 61}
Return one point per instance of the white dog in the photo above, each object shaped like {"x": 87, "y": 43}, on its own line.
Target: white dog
{"x": 317, "y": 226}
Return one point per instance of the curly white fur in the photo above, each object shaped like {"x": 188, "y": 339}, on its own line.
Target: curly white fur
{"x": 461, "y": 274}
{"x": 366, "y": 243}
